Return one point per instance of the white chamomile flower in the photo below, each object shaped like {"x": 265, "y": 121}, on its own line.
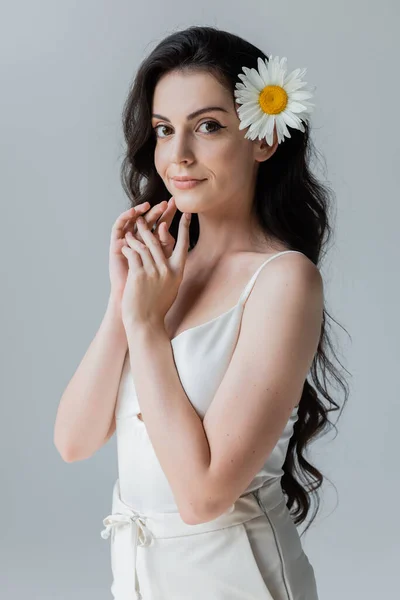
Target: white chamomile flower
{"x": 268, "y": 96}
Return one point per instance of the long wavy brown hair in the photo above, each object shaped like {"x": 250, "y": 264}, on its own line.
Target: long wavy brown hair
{"x": 291, "y": 205}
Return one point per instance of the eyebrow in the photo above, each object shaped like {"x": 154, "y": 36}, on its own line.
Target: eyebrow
{"x": 194, "y": 114}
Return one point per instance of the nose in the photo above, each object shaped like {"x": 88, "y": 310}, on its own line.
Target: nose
{"x": 181, "y": 149}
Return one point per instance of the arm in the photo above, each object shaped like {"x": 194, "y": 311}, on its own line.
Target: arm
{"x": 174, "y": 427}
{"x": 279, "y": 337}
{"x": 209, "y": 464}
{"x": 85, "y": 416}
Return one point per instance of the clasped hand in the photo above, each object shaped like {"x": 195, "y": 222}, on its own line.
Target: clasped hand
{"x": 153, "y": 280}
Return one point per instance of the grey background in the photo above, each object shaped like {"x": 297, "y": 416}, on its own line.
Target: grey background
{"x": 65, "y": 71}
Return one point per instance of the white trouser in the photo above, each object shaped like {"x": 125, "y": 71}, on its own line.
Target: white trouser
{"x": 184, "y": 561}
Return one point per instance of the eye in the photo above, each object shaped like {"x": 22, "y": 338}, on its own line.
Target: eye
{"x": 214, "y": 123}
{"x": 155, "y": 129}
{"x": 216, "y": 127}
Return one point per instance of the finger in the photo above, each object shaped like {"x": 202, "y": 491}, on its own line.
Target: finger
{"x": 169, "y": 213}
{"x": 151, "y": 217}
{"x": 152, "y": 243}
{"x": 163, "y": 234}
{"x": 144, "y": 251}
{"x": 133, "y": 258}
{"x": 166, "y": 240}
{"x": 153, "y": 214}
{"x": 125, "y": 217}
{"x": 179, "y": 255}
{"x": 119, "y": 244}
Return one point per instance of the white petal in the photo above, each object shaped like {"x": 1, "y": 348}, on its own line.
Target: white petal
{"x": 252, "y": 102}
{"x": 277, "y": 70}
{"x": 294, "y": 85}
{"x": 271, "y": 124}
{"x": 262, "y": 130}
{"x": 262, "y": 127}
{"x": 250, "y": 135}
{"x": 291, "y": 76}
{"x": 298, "y": 96}
{"x": 249, "y": 108}
{"x": 248, "y": 84}
{"x": 255, "y": 79}
{"x": 281, "y": 125}
{"x": 291, "y": 119}
{"x": 255, "y": 126}
{"x": 263, "y": 70}
{"x": 244, "y": 79}
{"x": 270, "y": 130}
{"x": 282, "y": 71}
{"x": 249, "y": 119}
{"x": 251, "y": 116}
{"x": 272, "y": 70}
{"x": 243, "y": 125}
{"x": 300, "y": 73}
{"x": 295, "y": 107}
{"x": 242, "y": 100}
{"x": 279, "y": 134}
{"x": 268, "y": 125}
{"x": 247, "y": 95}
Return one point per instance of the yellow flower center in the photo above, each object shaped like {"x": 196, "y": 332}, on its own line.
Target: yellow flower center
{"x": 273, "y": 99}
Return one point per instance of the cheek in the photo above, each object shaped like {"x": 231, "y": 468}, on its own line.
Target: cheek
{"x": 233, "y": 163}
{"x": 158, "y": 161}
{"x": 162, "y": 160}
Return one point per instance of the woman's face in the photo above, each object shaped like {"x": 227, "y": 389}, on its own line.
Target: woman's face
{"x": 208, "y": 146}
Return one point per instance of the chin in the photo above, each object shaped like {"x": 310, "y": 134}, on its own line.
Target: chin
{"x": 183, "y": 201}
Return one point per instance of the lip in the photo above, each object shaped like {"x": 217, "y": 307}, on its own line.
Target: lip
{"x": 185, "y": 178}
{"x": 186, "y": 183}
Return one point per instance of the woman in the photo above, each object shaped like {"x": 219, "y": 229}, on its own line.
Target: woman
{"x": 214, "y": 323}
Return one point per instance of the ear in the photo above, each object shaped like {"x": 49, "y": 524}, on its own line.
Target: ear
{"x": 262, "y": 151}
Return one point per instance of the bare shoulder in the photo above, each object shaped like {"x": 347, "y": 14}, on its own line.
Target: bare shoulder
{"x": 287, "y": 285}
{"x": 279, "y": 336}
{"x": 293, "y": 268}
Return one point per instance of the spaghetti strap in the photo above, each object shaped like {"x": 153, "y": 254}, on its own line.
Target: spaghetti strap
{"x": 249, "y": 286}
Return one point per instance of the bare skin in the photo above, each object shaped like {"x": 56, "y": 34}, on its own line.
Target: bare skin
{"x": 210, "y": 146}
{"x": 206, "y": 295}
{"x": 207, "y": 471}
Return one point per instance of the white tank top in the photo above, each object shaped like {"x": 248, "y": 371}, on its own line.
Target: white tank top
{"x": 202, "y": 354}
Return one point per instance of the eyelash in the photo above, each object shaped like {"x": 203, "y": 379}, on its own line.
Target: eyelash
{"x": 204, "y": 122}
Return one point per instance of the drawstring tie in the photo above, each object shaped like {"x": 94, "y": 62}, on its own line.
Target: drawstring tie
{"x": 141, "y": 535}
